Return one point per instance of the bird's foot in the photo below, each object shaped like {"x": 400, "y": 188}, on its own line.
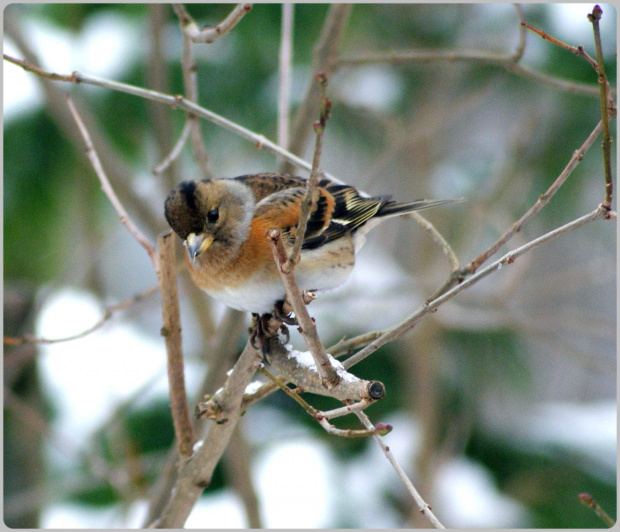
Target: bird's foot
{"x": 264, "y": 329}
{"x": 282, "y": 311}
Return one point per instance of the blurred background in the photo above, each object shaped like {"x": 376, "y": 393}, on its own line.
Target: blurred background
{"x": 503, "y": 402}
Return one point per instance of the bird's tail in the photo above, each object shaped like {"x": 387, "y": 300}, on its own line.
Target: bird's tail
{"x": 393, "y": 208}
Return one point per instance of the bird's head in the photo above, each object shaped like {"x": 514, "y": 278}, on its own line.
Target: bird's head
{"x": 210, "y": 214}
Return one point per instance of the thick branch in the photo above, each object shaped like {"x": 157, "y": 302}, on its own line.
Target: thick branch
{"x": 195, "y": 473}
{"x": 171, "y": 331}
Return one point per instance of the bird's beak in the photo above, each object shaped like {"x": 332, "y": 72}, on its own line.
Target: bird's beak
{"x": 196, "y": 244}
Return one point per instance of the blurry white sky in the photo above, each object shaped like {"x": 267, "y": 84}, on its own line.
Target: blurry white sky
{"x": 108, "y": 44}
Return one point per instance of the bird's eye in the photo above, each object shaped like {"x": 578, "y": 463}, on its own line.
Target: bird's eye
{"x": 213, "y": 215}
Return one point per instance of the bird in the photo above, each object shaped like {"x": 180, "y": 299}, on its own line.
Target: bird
{"x": 223, "y": 224}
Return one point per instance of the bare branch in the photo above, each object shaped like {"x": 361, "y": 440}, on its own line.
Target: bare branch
{"x": 607, "y": 104}
{"x": 171, "y": 331}
{"x": 195, "y": 473}
{"x": 324, "y": 60}
{"x": 423, "y": 506}
{"x": 209, "y": 34}
{"x": 309, "y": 198}
{"x": 438, "y": 238}
{"x": 178, "y": 102}
{"x": 109, "y": 192}
{"x": 176, "y": 149}
{"x": 430, "y": 306}
{"x": 323, "y": 418}
{"x": 109, "y": 312}
{"x": 473, "y": 56}
{"x": 543, "y": 200}
{"x": 308, "y": 329}
{"x": 577, "y": 50}
{"x": 188, "y": 67}
{"x": 284, "y": 77}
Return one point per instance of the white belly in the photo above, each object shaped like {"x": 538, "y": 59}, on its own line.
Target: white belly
{"x": 319, "y": 269}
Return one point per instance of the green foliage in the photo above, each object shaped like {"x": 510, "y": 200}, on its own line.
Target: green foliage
{"x": 548, "y": 481}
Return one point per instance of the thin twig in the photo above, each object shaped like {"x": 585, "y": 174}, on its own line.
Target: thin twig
{"x": 481, "y": 57}
{"x": 430, "y": 306}
{"x": 109, "y": 191}
{"x": 324, "y": 60}
{"x": 329, "y": 376}
{"x": 422, "y": 505}
{"x": 175, "y": 151}
{"x": 28, "y": 67}
{"x": 590, "y": 502}
{"x": 577, "y": 50}
{"x": 190, "y": 81}
{"x": 438, "y": 238}
{"x": 543, "y": 200}
{"x": 108, "y": 313}
{"x": 171, "y": 331}
{"x": 284, "y": 74}
{"x": 607, "y": 106}
{"x": 178, "y": 102}
{"x": 309, "y": 200}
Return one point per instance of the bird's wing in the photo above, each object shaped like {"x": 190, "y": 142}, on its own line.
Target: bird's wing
{"x": 283, "y": 208}
{"x": 265, "y": 184}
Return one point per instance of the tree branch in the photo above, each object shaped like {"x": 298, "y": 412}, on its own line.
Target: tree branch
{"x": 423, "y": 506}
{"x": 324, "y": 60}
{"x": 607, "y": 104}
{"x": 329, "y": 376}
{"x": 430, "y": 306}
{"x": 108, "y": 313}
{"x": 109, "y": 192}
{"x": 196, "y": 472}
{"x": 171, "y": 331}
{"x": 309, "y": 198}
{"x": 178, "y": 102}
{"x": 543, "y": 200}
{"x": 284, "y": 73}
{"x": 209, "y": 34}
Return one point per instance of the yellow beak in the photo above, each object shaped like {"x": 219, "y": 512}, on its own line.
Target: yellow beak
{"x": 196, "y": 244}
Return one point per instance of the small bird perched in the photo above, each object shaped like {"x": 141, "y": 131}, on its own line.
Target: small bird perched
{"x": 223, "y": 225}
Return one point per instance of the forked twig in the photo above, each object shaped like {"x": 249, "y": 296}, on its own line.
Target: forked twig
{"x": 209, "y": 34}
{"x": 323, "y": 417}
{"x": 430, "y": 306}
